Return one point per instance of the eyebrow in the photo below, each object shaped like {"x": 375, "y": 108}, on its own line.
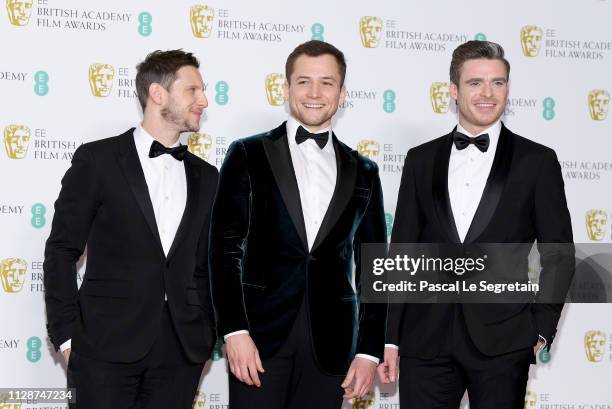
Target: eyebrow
{"x": 309, "y": 78}
{"x": 482, "y": 79}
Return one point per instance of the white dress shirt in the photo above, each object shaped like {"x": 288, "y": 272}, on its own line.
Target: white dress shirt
{"x": 468, "y": 171}
{"x": 316, "y": 172}
{"x": 167, "y": 185}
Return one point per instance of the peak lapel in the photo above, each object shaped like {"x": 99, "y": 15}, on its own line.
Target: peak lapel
{"x": 343, "y": 191}
{"x": 494, "y": 187}
{"x": 192, "y": 174}
{"x": 440, "y": 190}
{"x": 276, "y": 148}
{"x": 132, "y": 170}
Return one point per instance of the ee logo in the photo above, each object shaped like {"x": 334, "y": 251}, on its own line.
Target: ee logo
{"x": 389, "y": 101}
{"x": 41, "y": 88}
{"x": 221, "y": 97}
{"x": 549, "y": 108}
{"x": 144, "y": 24}
{"x": 38, "y": 215}
{"x": 34, "y": 345}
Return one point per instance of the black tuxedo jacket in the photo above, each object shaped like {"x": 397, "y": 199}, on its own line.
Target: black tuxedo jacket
{"x": 523, "y": 201}
{"x": 115, "y": 315}
{"x": 261, "y": 267}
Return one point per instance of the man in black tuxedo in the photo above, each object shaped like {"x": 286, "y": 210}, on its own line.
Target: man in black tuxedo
{"x": 293, "y": 206}
{"x": 479, "y": 184}
{"x": 139, "y": 329}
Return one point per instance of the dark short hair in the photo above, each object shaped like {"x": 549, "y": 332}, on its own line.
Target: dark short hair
{"x": 474, "y": 50}
{"x": 316, "y": 48}
{"x": 161, "y": 67}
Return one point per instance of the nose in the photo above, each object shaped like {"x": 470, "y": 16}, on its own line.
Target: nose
{"x": 314, "y": 90}
{"x": 487, "y": 89}
{"x": 203, "y": 101}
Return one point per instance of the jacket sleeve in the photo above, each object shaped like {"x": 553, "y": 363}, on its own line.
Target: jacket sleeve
{"x": 201, "y": 274}
{"x": 555, "y": 245}
{"x": 75, "y": 210}
{"x": 406, "y": 229}
{"x": 228, "y": 234}
{"x": 372, "y": 316}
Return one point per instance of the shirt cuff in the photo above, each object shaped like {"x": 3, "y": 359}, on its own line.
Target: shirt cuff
{"x": 544, "y": 344}
{"x": 242, "y": 331}
{"x": 391, "y": 346}
{"x": 368, "y": 357}
{"x": 66, "y": 345}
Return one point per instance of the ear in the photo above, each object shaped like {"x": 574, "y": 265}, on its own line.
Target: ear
{"x": 157, "y": 93}
{"x": 286, "y": 90}
{"x": 454, "y": 90}
{"x": 342, "y": 94}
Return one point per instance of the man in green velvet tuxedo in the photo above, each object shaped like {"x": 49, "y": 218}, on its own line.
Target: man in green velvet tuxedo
{"x": 293, "y": 206}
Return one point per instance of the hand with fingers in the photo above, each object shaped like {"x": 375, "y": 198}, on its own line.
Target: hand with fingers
{"x": 387, "y": 370}
{"x": 243, "y": 358}
{"x": 359, "y": 379}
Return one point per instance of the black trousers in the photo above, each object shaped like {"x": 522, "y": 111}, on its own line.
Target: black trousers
{"x": 163, "y": 379}
{"x": 292, "y": 378}
{"x": 492, "y": 382}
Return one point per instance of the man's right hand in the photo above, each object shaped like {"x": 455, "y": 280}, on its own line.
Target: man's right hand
{"x": 243, "y": 358}
{"x": 66, "y": 354}
{"x": 387, "y": 370}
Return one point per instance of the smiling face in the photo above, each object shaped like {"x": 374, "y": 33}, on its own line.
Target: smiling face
{"x": 185, "y": 101}
{"x": 314, "y": 90}
{"x": 481, "y": 93}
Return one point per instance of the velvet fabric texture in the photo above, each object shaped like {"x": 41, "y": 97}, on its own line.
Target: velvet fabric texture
{"x": 261, "y": 267}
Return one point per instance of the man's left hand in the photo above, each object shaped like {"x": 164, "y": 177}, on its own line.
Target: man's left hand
{"x": 360, "y": 378}
{"x": 537, "y": 347}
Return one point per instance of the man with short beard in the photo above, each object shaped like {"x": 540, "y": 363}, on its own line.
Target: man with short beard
{"x": 138, "y": 331}
{"x": 293, "y": 205}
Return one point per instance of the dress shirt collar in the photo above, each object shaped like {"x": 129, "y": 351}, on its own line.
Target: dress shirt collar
{"x": 493, "y": 131}
{"x": 292, "y": 126}
{"x": 143, "y": 141}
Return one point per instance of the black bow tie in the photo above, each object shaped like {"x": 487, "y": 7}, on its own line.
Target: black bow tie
{"x": 462, "y": 141}
{"x": 177, "y": 152}
{"x": 320, "y": 138}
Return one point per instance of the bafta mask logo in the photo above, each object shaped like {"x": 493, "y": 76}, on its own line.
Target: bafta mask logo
{"x": 531, "y": 40}
{"x": 599, "y": 103}
{"x": 12, "y": 274}
{"x": 594, "y": 345}
{"x": 440, "y": 97}
{"x": 199, "y": 144}
{"x": 101, "y": 79}
{"x": 364, "y": 403}
{"x": 16, "y": 141}
{"x": 199, "y": 401}
{"x": 274, "y": 89}
{"x": 201, "y": 18}
{"x": 368, "y": 148}
{"x": 19, "y": 11}
{"x": 596, "y": 221}
{"x": 370, "y": 30}
{"x": 530, "y": 400}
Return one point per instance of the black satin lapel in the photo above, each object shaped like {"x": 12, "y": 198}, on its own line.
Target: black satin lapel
{"x": 494, "y": 187}
{"x": 130, "y": 164}
{"x": 192, "y": 173}
{"x": 440, "y": 190}
{"x": 279, "y": 158}
{"x": 343, "y": 191}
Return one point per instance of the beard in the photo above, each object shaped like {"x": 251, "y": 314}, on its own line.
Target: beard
{"x": 177, "y": 119}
